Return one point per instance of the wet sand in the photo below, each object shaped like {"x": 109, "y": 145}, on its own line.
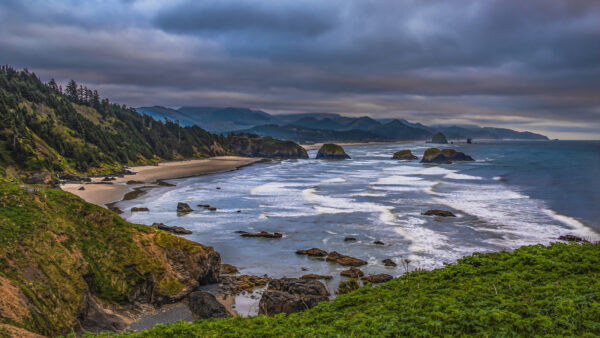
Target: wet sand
{"x": 102, "y": 194}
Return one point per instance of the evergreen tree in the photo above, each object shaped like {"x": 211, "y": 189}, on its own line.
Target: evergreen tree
{"x": 71, "y": 90}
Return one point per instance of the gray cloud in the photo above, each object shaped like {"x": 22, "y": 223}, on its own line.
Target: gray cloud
{"x": 526, "y": 64}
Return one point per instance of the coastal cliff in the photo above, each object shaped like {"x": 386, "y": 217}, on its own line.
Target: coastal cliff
{"x": 69, "y": 265}
{"x": 267, "y": 147}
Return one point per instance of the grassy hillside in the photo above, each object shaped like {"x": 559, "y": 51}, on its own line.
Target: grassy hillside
{"x": 56, "y": 251}
{"x": 535, "y": 290}
{"x": 43, "y": 127}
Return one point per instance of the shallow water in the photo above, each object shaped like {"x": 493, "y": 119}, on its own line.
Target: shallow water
{"x": 514, "y": 194}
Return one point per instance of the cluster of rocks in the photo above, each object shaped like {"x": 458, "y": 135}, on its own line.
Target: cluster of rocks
{"x": 233, "y": 285}
{"x": 289, "y": 295}
{"x": 572, "y": 238}
{"x": 207, "y": 207}
{"x": 173, "y": 229}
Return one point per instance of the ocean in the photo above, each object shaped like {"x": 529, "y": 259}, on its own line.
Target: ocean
{"x": 515, "y": 193}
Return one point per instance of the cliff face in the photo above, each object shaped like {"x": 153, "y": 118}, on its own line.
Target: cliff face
{"x": 266, "y": 147}
{"x": 66, "y": 264}
{"x": 332, "y": 151}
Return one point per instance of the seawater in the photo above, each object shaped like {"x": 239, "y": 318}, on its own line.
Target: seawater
{"x": 514, "y": 194}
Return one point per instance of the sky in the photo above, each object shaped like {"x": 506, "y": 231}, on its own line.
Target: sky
{"x": 527, "y": 65}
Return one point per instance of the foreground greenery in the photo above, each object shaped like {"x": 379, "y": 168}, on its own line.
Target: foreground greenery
{"x": 536, "y": 290}
{"x": 55, "y": 248}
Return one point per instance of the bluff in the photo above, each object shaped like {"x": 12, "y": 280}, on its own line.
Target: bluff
{"x": 332, "y": 151}
{"x": 267, "y": 147}
{"x": 70, "y": 265}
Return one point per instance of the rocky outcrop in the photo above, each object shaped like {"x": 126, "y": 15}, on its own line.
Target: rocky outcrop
{"x": 439, "y": 138}
{"x": 332, "y": 151}
{"x": 349, "y": 239}
{"x": 233, "y": 285}
{"x": 344, "y": 260}
{"x": 312, "y": 276}
{"x": 404, "y": 155}
{"x": 446, "y": 156}
{"x": 378, "y": 243}
{"x": 266, "y": 147}
{"x": 205, "y": 305}
{"x": 138, "y": 209}
{"x": 352, "y": 273}
{"x": 389, "y": 262}
{"x": 263, "y": 234}
{"x": 437, "y": 212}
{"x": 572, "y": 238}
{"x": 289, "y": 295}
{"x": 42, "y": 177}
{"x": 183, "y": 208}
{"x": 376, "y": 279}
{"x": 173, "y": 229}
{"x": 315, "y": 252}
{"x": 228, "y": 269}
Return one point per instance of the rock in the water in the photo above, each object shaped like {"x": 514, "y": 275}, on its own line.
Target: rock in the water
{"x": 572, "y": 238}
{"x": 332, "y": 151}
{"x": 378, "y": 243}
{"x": 379, "y": 278}
{"x": 81, "y": 188}
{"x": 389, "y": 262}
{"x": 404, "y": 155}
{"x": 439, "y": 138}
{"x": 183, "y": 207}
{"x": 434, "y": 155}
{"x": 262, "y": 234}
{"x": 228, "y": 269}
{"x": 289, "y": 295}
{"x": 312, "y": 252}
{"x": 174, "y": 229}
{"x": 344, "y": 260}
{"x": 436, "y": 212}
{"x": 349, "y": 239}
{"x": 136, "y": 209}
{"x": 205, "y": 305}
{"x": 312, "y": 276}
{"x": 266, "y": 147}
{"x": 352, "y": 273}
{"x": 130, "y": 182}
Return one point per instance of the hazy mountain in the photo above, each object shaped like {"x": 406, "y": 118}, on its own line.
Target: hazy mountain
{"x": 317, "y": 127}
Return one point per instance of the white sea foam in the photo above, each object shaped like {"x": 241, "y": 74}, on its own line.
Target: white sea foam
{"x": 335, "y": 180}
{"x": 397, "y": 180}
{"x": 574, "y": 224}
{"x": 273, "y": 188}
{"x": 455, "y": 176}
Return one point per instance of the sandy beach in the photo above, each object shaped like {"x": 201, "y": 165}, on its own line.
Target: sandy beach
{"x": 101, "y": 194}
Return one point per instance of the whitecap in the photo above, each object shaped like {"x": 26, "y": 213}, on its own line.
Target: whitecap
{"x": 455, "y": 176}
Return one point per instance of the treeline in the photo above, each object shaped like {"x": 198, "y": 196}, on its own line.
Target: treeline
{"x": 42, "y": 127}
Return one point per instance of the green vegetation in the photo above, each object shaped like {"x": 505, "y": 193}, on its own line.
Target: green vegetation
{"x": 42, "y": 128}
{"x": 431, "y": 152}
{"x": 535, "y": 290}
{"x": 55, "y": 248}
{"x": 332, "y": 148}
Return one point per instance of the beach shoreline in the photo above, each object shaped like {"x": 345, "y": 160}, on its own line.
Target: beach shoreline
{"x": 103, "y": 194}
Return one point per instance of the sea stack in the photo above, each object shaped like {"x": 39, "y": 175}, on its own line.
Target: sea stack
{"x": 404, "y": 155}
{"x": 434, "y": 155}
{"x": 439, "y": 138}
{"x": 332, "y": 151}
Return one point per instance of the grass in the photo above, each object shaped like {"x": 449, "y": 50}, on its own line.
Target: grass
{"x": 534, "y": 291}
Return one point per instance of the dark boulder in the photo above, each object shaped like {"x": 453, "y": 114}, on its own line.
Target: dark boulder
{"x": 572, "y": 238}
{"x": 379, "y": 243}
{"x": 436, "y": 212}
{"x": 312, "y": 276}
{"x": 404, "y": 155}
{"x": 332, "y": 151}
{"x": 352, "y": 273}
{"x": 205, "y": 305}
{"x": 349, "y": 239}
{"x": 262, "y": 234}
{"x": 81, "y": 188}
{"x": 344, "y": 260}
{"x": 439, "y": 138}
{"x": 289, "y": 295}
{"x": 136, "y": 209}
{"x": 446, "y": 156}
{"x": 228, "y": 269}
{"x": 379, "y": 278}
{"x": 183, "y": 208}
{"x": 315, "y": 252}
{"x": 173, "y": 229}
{"x": 389, "y": 262}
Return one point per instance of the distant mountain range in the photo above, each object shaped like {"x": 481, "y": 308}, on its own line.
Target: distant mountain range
{"x": 320, "y": 127}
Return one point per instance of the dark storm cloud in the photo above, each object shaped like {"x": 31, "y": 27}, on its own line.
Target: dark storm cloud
{"x": 528, "y": 64}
